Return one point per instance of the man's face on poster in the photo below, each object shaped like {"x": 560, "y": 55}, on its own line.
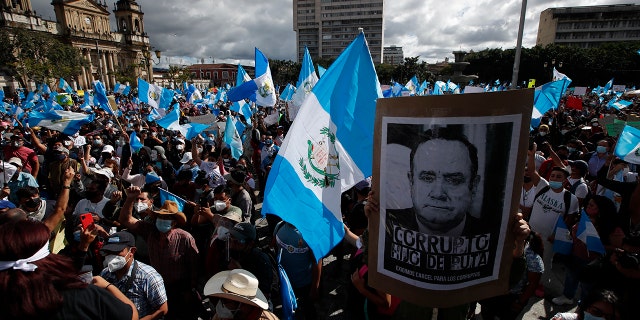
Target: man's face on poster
{"x": 442, "y": 185}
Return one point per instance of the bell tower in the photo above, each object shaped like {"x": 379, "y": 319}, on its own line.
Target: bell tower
{"x": 129, "y": 17}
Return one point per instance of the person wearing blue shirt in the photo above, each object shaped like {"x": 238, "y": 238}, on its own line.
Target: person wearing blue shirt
{"x": 18, "y": 180}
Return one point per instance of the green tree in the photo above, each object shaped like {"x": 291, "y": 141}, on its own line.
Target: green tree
{"x": 284, "y": 71}
{"x": 40, "y": 57}
{"x": 127, "y": 74}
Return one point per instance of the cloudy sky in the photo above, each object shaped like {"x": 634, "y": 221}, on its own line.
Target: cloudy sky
{"x": 228, "y": 30}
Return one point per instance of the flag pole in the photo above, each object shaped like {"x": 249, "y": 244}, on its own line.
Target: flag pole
{"x": 516, "y": 60}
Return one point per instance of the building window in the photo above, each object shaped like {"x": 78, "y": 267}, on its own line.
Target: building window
{"x": 225, "y": 74}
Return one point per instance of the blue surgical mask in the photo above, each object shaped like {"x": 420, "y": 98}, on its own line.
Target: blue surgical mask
{"x": 601, "y": 149}
{"x": 76, "y": 235}
{"x": 571, "y": 150}
{"x": 163, "y": 225}
{"x": 589, "y": 316}
{"x": 555, "y": 184}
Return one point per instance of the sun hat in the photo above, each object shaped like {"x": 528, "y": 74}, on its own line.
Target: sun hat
{"x": 170, "y": 209}
{"x": 238, "y": 285}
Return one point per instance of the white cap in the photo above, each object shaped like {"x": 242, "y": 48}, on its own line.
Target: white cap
{"x": 186, "y": 157}
{"x": 107, "y": 148}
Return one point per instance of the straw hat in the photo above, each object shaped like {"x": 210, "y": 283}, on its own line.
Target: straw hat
{"x": 170, "y": 210}
{"x": 238, "y": 285}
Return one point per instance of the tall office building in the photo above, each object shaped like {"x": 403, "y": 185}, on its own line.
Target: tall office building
{"x": 589, "y": 26}
{"x": 326, "y": 27}
{"x": 393, "y": 55}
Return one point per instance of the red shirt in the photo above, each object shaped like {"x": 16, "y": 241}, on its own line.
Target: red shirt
{"x": 28, "y": 157}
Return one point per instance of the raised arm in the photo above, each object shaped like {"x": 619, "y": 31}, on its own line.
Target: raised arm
{"x": 126, "y": 218}
{"x": 63, "y": 201}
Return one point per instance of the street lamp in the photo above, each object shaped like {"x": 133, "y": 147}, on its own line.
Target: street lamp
{"x": 550, "y": 66}
{"x": 147, "y": 59}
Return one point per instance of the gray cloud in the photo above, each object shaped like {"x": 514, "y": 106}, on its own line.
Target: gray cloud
{"x": 228, "y": 30}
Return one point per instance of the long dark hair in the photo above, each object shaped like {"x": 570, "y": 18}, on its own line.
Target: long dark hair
{"x": 36, "y": 294}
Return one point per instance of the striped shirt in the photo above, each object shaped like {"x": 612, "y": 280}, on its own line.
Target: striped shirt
{"x": 147, "y": 291}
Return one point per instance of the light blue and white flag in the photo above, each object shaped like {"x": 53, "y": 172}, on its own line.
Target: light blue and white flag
{"x": 242, "y": 76}
{"x": 149, "y": 93}
{"x": 172, "y": 120}
{"x": 607, "y": 87}
{"x": 628, "y": 145}
{"x": 328, "y": 150}
{"x": 397, "y": 89}
{"x": 562, "y": 243}
{"x": 166, "y": 97}
{"x": 232, "y": 138}
{"x": 287, "y": 93}
{"x": 262, "y": 86}
{"x": 307, "y": 79}
{"x": 65, "y": 86}
{"x": 412, "y": 85}
{"x": 121, "y": 89}
{"x": 439, "y": 88}
{"x": 423, "y": 89}
{"x": 100, "y": 97}
{"x": 193, "y": 94}
{"x": 66, "y": 122}
{"x": 547, "y": 97}
{"x": 88, "y": 101}
{"x": 557, "y": 75}
{"x": 588, "y": 234}
{"x": 193, "y": 129}
{"x": 166, "y": 195}
{"x": 243, "y": 108}
{"x": 321, "y": 71}
{"x": 134, "y": 142}
{"x": 618, "y": 104}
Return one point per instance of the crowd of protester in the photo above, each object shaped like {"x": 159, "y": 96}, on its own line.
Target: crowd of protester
{"x": 117, "y": 251}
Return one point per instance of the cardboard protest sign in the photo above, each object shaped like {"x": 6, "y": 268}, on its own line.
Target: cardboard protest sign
{"x": 447, "y": 174}
{"x": 580, "y": 91}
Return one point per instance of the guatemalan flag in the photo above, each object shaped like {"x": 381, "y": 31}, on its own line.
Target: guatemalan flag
{"x": 262, "y": 86}
{"x": 121, "y": 89}
{"x": 562, "y": 243}
{"x": 242, "y": 76}
{"x": 66, "y": 122}
{"x": 307, "y": 79}
{"x": 547, "y": 97}
{"x": 232, "y": 138}
{"x": 65, "y": 86}
{"x": 412, "y": 85}
{"x": 618, "y": 104}
{"x": 628, "y": 146}
{"x": 100, "y": 96}
{"x": 329, "y": 149}
{"x": 588, "y": 234}
{"x": 287, "y": 93}
{"x": 149, "y": 93}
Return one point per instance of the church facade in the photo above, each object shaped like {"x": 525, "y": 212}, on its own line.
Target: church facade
{"x": 86, "y": 25}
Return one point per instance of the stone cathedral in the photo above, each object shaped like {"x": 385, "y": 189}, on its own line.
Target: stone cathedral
{"x": 85, "y": 24}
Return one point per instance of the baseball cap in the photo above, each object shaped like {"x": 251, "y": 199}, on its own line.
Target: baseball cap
{"x": 16, "y": 161}
{"x": 118, "y": 241}
{"x": 243, "y": 231}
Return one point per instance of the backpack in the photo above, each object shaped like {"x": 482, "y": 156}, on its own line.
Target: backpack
{"x": 567, "y": 198}
{"x": 575, "y": 186}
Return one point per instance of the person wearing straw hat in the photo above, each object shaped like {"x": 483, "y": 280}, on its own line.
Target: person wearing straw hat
{"x": 238, "y": 296}
{"x": 172, "y": 251}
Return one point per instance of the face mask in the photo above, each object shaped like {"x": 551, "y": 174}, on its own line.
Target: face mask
{"x": 114, "y": 262}
{"x": 571, "y": 150}
{"x": 60, "y": 156}
{"x": 601, "y": 149}
{"x": 564, "y": 131}
{"x": 180, "y": 147}
{"x": 587, "y": 316}
{"x": 595, "y": 124}
{"x": 210, "y": 138}
{"x": 76, "y": 235}
{"x": 555, "y": 184}
{"x": 140, "y": 207}
{"x": 199, "y": 191}
{"x": 542, "y": 133}
{"x": 15, "y": 144}
{"x": 163, "y": 225}
{"x": 67, "y": 143}
{"x": 154, "y": 156}
{"x": 268, "y": 142}
{"x": 32, "y": 203}
{"x": 199, "y": 150}
{"x": 220, "y": 205}
{"x": 223, "y": 312}
{"x": 527, "y": 179}
{"x": 97, "y": 142}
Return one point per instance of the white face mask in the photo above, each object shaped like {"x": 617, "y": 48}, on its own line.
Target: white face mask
{"x": 154, "y": 155}
{"x": 220, "y": 205}
{"x": 543, "y": 133}
{"x": 114, "y": 262}
{"x": 180, "y": 147}
{"x": 140, "y": 207}
{"x": 223, "y": 312}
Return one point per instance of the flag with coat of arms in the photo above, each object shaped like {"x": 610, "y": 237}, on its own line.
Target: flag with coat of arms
{"x": 328, "y": 150}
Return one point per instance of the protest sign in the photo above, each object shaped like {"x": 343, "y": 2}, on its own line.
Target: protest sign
{"x": 580, "y": 91}
{"x": 447, "y": 245}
